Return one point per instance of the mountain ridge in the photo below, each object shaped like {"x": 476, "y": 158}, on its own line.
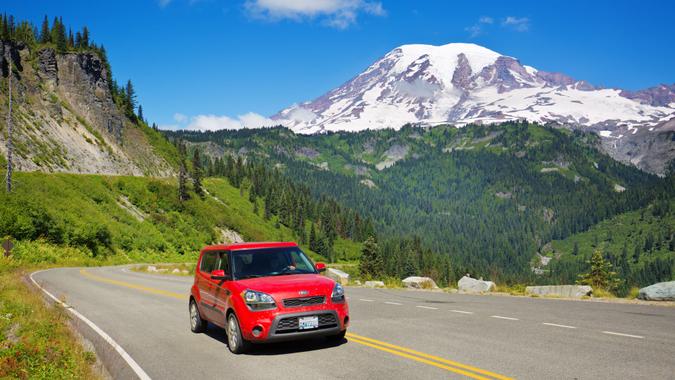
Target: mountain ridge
{"x": 462, "y": 83}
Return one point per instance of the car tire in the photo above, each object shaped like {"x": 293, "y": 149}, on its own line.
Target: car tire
{"x": 235, "y": 341}
{"x": 197, "y": 323}
{"x": 339, "y": 337}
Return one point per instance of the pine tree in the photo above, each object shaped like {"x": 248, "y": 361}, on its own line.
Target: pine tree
{"x": 197, "y": 174}
{"x": 140, "y": 113}
{"x": 182, "y": 175}
{"x": 371, "y": 263}
{"x": 130, "y": 95}
{"x": 71, "y": 39}
{"x": 600, "y": 275}
{"x": 575, "y": 250}
{"x": 85, "y": 37}
{"x": 45, "y": 34}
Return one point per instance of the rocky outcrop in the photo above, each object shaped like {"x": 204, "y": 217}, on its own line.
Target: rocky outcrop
{"x": 662, "y": 291}
{"x": 338, "y": 275}
{"x": 471, "y": 285}
{"x": 65, "y": 118}
{"x": 568, "y": 291}
{"x": 419, "y": 283}
{"x": 374, "y": 284}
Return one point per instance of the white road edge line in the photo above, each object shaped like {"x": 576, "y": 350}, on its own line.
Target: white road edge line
{"x": 427, "y": 307}
{"x": 461, "y": 311}
{"x": 621, "y": 334}
{"x": 393, "y": 303}
{"x": 365, "y": 300}
{"x": 500, "y": 317}
{"x": 557, "y": 325}
{"x": 127, "y": 358}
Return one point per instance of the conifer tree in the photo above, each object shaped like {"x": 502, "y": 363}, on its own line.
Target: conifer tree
{"x": 600, "y": 275}
{"x": 140, "y": 113}
{"x": 130, "y": 95}
{"x": 85, "y": 37}
{"x": 45, "y": 34}
{"x": 371, "y": 264}
{"x": 197, "y": 174}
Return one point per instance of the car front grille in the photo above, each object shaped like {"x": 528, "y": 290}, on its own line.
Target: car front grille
{"x": 290, "y": 324}
{"x": 304, "y": 301}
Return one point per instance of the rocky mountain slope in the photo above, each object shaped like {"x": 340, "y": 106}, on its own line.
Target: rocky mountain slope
{"x": 65, "y": 118}
{"x": 466, "y": 83}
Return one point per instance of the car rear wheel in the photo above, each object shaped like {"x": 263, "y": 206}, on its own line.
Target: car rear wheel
{"x": 197, "y": 323}
{"x": 235, "y": 341}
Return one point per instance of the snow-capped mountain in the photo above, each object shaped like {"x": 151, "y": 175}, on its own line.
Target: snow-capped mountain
{"x": 463, "y": 83}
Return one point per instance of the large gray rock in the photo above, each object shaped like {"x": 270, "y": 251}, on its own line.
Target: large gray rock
{"x": 419, "y": 283}
{"x": 338, "y": 275}
{"x": 662, "y": 291}
{"x": 374, "y": 284}
{"x": 569, "y": 291}
{"x": 471, "y": 285}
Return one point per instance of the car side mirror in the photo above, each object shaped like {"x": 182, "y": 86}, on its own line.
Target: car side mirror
{"x": 219, "y": 275}
{"x": 320, "y": 267}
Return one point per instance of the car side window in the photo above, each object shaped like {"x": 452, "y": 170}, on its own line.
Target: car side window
{"x": 300, "y": 262}
{"x": 208, "y": 262}
{"x": 224, "y": 262}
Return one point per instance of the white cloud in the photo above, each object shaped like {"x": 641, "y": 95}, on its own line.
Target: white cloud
{"x": 418, "y": 88}
{"x": 476, "y": 29}
{"x": 335, "y": 13}
{"x": 302, "y": 115}
{"x": 486, "y": 20}
{"x": 179, "y": 118}
{"x": 520, "y": 24}
{"x": 215, "y": 122}
{"x": 163, "y": 3}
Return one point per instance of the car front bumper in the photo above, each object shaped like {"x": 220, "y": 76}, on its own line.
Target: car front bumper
{"x": 282, "y": 325}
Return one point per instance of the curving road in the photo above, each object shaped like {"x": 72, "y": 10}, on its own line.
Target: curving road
{"x": 394, "y": 334}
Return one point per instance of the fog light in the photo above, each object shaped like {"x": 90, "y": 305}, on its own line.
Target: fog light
{"x": 257, "y": 331}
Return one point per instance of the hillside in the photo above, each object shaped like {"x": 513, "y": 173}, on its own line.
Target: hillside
{"x": 640, "y": 244}
{"x": 489, "y": 196}
{"x": 68, "y": 114}
{"x": 133, "y": 216}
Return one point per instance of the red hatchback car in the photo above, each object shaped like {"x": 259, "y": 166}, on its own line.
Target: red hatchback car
{"x": 265, "y": 292}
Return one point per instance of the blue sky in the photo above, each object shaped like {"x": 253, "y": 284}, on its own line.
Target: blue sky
{"x": 211, "y": 61}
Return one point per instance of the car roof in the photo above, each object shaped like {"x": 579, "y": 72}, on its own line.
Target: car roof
{"x": 253, "y": 245}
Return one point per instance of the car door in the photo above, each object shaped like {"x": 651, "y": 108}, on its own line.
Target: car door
{"x": 205, "y": 284}
{"x": 221, "y": 292}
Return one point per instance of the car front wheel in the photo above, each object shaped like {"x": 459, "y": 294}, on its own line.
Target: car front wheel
{"x": 235, "y": 341}
{"x": 197, "y": 323}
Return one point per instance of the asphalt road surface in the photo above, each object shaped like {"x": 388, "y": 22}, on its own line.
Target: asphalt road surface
{"x": 394, "y": 334}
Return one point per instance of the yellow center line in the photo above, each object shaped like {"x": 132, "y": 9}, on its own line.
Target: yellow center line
{"x": 421, "y": 357}
{"x": 421, "y": 360}
{"x": 146, "y": 289}
{"x": 400, "y": 350}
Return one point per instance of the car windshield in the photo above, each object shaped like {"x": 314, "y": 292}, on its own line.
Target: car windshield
{"x": 265, "y": 262}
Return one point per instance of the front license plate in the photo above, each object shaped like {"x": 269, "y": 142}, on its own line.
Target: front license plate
{"x": 306, "y": 323}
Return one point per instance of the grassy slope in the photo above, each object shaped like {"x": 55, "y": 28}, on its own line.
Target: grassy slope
{"x": 628, "y": 229}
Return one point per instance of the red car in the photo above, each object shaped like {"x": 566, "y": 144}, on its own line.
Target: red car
{"x": 265, "y": 292}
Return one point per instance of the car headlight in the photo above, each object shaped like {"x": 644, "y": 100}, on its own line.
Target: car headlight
{"x": 338, "y": 294}
{"x": 258, "y": 300}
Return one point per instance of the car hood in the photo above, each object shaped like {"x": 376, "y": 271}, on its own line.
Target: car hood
{"x": 290, "y": 285}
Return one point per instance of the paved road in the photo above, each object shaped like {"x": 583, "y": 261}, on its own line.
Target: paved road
{"x": 394, "y": 334}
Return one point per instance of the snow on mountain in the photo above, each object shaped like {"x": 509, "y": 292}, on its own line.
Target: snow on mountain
{"x": 462, "y": 83}
{"x": 465, "y": 83}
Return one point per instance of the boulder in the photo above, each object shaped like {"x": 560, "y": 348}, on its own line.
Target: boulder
{"x": 569, "y": 291}
{"x": 419, "y": 283}
{"x": 338, "y": 275}
{"x": 374, "y": 284}
{"x": 471, "y": 285}
{"x": 662, "y": 291}
{"x": 152, "y": 268}
{"x": 176, "y": 270}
